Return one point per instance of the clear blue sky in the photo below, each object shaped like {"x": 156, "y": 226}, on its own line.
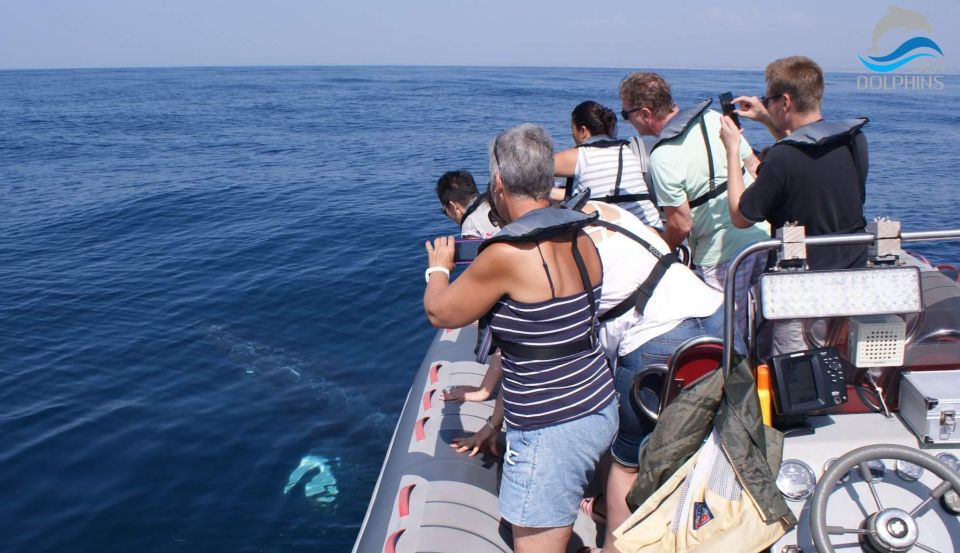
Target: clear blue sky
{"x": 595, "y": 33}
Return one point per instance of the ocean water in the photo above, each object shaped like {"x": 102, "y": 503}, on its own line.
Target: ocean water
{"x": 210, "y": 275}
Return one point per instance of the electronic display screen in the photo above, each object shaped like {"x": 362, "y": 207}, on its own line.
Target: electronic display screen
{"x": 800, "y": 382}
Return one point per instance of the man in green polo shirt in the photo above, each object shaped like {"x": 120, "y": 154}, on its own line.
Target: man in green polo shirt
{"x": 688, "y": 167}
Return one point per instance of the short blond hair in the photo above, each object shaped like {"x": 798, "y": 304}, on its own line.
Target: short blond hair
{"x": 798, "y": 76}
{"x": 647, "y": 90}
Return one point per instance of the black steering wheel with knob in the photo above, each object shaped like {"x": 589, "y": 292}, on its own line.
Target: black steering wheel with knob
{"x": 889, "y": 529}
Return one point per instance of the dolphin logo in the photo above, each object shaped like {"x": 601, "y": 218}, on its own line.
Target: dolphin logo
{"x": 899, "y": 18}
{"x": 910, "y": 49}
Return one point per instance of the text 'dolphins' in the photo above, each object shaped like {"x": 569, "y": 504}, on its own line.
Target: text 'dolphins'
{"x": 322, "y": 488}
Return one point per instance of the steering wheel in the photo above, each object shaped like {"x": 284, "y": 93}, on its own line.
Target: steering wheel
{"x": 889, "y": 529}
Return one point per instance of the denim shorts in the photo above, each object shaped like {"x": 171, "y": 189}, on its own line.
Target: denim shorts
{"x": 633, "y": 424}
{"x": 546, "y": 471}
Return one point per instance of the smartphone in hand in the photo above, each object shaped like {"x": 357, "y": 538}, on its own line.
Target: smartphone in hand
{"x": 726, "y": 105}
{"x": 465, "y": 250}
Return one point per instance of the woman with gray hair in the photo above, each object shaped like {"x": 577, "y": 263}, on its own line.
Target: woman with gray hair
{"x": 538, "y": 283}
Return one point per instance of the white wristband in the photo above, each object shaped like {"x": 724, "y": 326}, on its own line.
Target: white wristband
{"x": 437, "y": 269}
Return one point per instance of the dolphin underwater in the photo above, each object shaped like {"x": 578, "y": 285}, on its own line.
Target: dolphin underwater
{"x": 899, "y": 18}
{"x": 280, "y": 369}
{"x": 322, "y": 487}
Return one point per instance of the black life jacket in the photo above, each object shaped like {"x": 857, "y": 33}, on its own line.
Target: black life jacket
{"x": 679, "y": 125}
{"x": 616, "y": 197}
{"x": 822, "y": 132}
{"x": 535, "y": 226}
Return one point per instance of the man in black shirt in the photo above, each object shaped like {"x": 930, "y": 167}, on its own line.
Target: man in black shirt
{"x": 815, "y": 175}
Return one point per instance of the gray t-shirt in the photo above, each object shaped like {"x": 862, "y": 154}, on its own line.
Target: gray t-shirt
{"x": 477, "y": 224}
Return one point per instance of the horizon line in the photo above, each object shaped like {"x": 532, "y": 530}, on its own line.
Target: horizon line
{"x": 438, "y": 65}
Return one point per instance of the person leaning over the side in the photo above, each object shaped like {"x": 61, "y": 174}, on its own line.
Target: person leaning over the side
{"x": 815, "y": 174}
{"x": 465, "y": 205}
{"x": 604, "y": 165}
{"x": 540, "y": 293}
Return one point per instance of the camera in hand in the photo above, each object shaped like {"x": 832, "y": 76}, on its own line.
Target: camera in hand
{"x": 727, "y": 106}
{"x": 465, "y": 250}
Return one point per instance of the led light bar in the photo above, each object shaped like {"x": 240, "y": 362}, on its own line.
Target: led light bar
{"x": 801, "y": 295}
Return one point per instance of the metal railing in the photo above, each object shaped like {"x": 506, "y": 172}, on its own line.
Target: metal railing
{"x": 833, "y": 240}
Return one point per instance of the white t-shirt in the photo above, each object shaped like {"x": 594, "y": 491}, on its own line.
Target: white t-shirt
{"x": 626, "y": 264}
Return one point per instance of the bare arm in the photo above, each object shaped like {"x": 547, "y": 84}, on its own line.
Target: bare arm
{"x": 730, "y": 135}
{"x": 751, "y": 163}
{"x": 486, "y": 437}
{"x": 469, "y": 297}
{"x": 679, "y": 223}
{"x": 565, "y": 163}
{"x": 477, "y": 393}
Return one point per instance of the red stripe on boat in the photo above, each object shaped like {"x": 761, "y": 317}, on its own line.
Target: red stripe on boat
{"x": 420, "y": 429}
{"x": 390, "y": 546}
{"x": 403, "y": 505}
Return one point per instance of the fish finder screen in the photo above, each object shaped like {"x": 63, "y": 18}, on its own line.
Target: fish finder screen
{"x": 801, "y": 384}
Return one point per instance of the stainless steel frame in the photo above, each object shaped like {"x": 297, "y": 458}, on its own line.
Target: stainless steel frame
{"x": 863, "y": 238}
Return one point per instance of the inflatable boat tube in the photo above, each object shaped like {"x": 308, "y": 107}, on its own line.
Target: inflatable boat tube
{"x": 429, "y": 497}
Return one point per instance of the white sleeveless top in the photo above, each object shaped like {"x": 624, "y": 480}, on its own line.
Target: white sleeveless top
{"x": 597, "y": 170}
{"x": 626, "y": 264}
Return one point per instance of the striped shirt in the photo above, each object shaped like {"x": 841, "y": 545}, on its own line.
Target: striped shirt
{"x": 538, "y": 392}
{"x": 597, "y": 170}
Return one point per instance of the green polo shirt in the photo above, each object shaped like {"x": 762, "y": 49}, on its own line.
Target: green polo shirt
{"x": 680, "y": 173}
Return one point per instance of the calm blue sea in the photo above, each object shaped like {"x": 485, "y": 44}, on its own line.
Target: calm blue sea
{"x": 208, "y": 274}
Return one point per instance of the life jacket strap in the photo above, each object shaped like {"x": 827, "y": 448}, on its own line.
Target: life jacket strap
{"x": 473, "y": 207}
{"x": 708, "y": 195}
{"x": 587, "y": 285}
{"x": 624, "y": 198}
{"x": 613, "y": 198}
{"x": 525, "y": 352}
{"x": 641, "y": 296}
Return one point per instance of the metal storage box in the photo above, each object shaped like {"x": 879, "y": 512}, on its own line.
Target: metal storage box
{"x": 929, "y": 402}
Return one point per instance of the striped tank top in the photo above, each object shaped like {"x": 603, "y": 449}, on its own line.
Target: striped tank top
{"x": 543, "y": 392}
{"x": 597, "y": 170}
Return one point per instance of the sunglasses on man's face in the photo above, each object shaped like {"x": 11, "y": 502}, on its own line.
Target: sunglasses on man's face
{"x": 767, "y": 99}
{"x": 625, "y": 113}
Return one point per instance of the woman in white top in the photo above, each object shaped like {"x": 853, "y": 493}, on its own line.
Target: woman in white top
{"x": 680, "y": 308}
{"x": 603, "y": 164}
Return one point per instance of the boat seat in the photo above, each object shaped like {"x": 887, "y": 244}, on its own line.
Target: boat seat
{"x": 692, "y": 361}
